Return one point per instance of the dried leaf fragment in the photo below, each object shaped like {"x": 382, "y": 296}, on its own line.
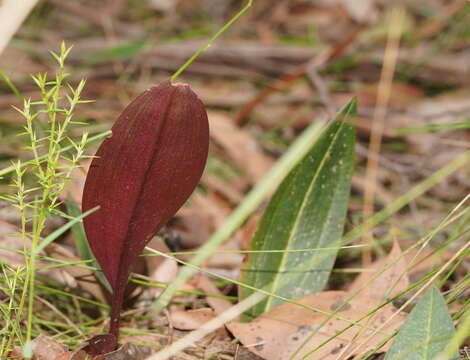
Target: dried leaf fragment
{"x": 280, "y": 332}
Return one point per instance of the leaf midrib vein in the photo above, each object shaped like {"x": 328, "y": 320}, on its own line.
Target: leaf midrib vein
{"x": 144, "y": 180}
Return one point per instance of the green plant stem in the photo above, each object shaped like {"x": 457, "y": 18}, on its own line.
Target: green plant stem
{"x": 211, "y": 41}
{"x": 31, "y": 271}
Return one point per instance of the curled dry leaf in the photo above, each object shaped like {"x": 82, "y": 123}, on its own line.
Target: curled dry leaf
{"x": 191, "y": 319}
{"x": 83, "y": 276}
{"x": 215, "y": 210}
{"x": 278, "y": 333}
{"x": 141, "y": 176}
{"x": 192, "y": 225}
{"x": 240, "y": 146}
{"x": 46, "y": 348}
{"x": 219, "y": 305}
{"x": 388, "y": 279}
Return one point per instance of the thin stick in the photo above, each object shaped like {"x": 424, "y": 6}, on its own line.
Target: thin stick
{"x": 208, "y": 327}
{"x": 12, "y": 15}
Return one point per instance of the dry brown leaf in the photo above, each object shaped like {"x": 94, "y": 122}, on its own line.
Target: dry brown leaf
{"x": 10, "y": 244}
{"x": 277, "y": 334}
{"x": 160, "y": 269}
{"x": 362, "y": 11}
{"x": 213, "y": 207}
{"x": 388, "y": 283}
{"x": 191, "y": 319}
{"x": 46, "y": 348}
{"x": 64, "y": 356}
{"x": 219, "y": 305}
{"x": 229, "y": 257}
{"x": 84, "y": 277}
{"x": 240, "y": 146}
{"x": 219, "y": 347}
{"x": 223, "y": 187}
{"x": 193, "y": 225}
{"x": 125, "y": 352}
{"x": 420, "y": 264}
{"x": 149, "y": 339}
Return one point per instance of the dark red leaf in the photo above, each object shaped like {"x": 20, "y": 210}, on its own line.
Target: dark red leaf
{"x": 141, "y": 176}
{"x": 100, "y": 344}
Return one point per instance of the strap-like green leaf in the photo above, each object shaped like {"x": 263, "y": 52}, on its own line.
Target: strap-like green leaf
{"x": 426, "y": 332}
{"x": 82, "y": 246}
{"x": 306, "y": 212}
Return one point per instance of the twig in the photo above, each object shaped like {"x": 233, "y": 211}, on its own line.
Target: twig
{"x": 322, "y": 89}
{"x": 287, "y": 80}
{"x": 170, "y": 326}
{"x": 208, "y": 327}
{"x": 383, "y": 97}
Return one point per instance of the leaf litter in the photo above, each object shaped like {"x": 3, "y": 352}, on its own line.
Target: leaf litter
{"x": 444, "y": 72}
{"x": 280, "y": 332}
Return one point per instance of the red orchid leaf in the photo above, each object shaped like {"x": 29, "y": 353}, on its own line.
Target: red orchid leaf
{"x": 100, "y": 344}
{"x": 141, "y": 176}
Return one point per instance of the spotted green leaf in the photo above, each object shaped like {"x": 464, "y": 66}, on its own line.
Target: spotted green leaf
{"x": 304, "y": 220}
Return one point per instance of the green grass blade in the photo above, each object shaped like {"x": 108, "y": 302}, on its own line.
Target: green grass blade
{"x": 458, "y": 125}
{"x": 55, "y": 234}
{"x": 307, "y": 211}
{"x": 426, "y": 332}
